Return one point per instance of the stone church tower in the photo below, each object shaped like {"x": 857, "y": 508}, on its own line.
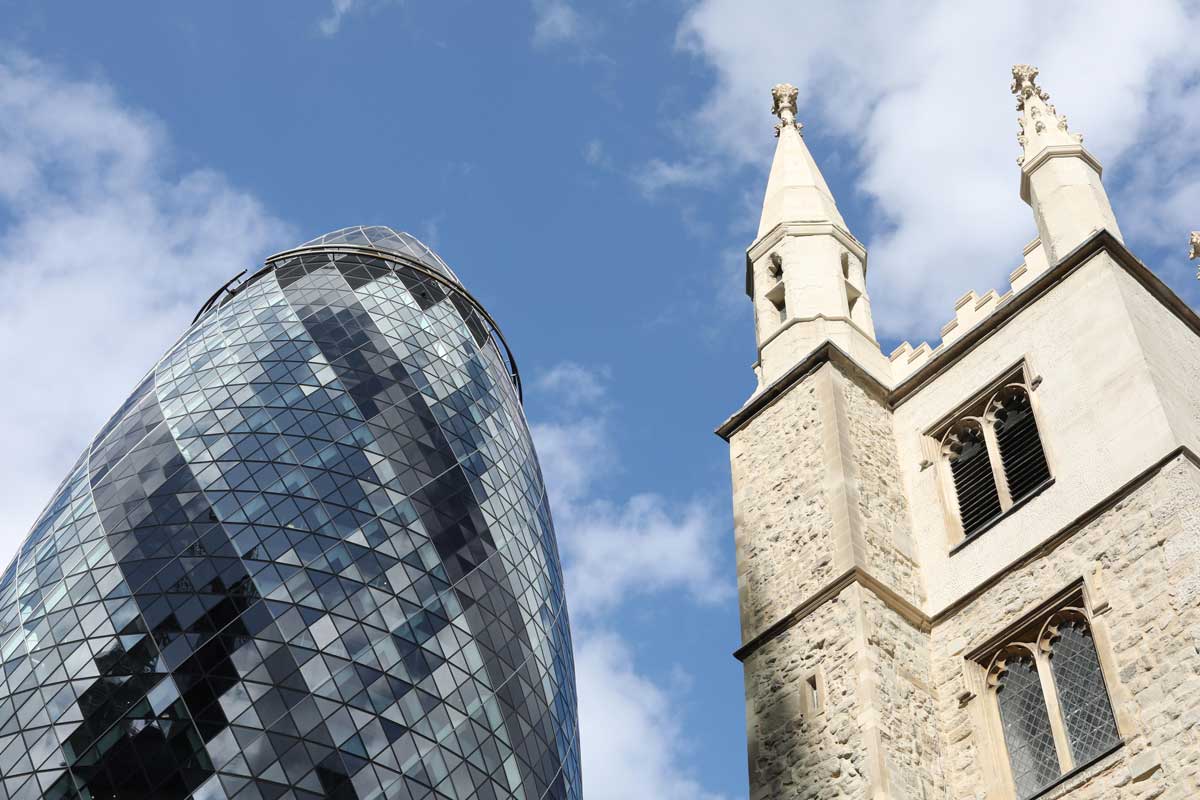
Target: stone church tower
{"x": 969, "y": 570}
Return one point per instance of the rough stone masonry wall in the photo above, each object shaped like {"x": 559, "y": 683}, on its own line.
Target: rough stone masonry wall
{"x": 882, "y": 503}
{"x": 782, "y": 521}
{"x": 898, "y": 656}
{"x": 794, "y": 756}
{"x": 1147, "y": 551}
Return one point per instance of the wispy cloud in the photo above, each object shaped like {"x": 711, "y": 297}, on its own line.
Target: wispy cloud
{"x": 657, "y": 174}
{"x": 920, "y": 103}
{"x": 332, "y": 22}
{"x": 556, "y": 22}
{"x": 616, "y": 551}
{"x": 617, "y": 548}
{"x": 596, "y": 154}
{"x": 104, "y": 252}
{"x": 339, "y": 10}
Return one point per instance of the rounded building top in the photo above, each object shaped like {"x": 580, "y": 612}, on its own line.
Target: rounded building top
{"x": 381, "y": 237}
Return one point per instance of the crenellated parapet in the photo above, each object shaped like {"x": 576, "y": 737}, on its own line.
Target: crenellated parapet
{"x": 970, "y": 310}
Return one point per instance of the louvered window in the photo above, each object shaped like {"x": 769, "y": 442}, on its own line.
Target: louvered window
{"x": 1020, "y": 447}
{"x": 974, "y": 483}
{"x": 1045, "y": 739}
{"x": 994, "y": 456}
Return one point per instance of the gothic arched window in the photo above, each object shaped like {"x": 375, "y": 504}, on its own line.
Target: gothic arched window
{"x": 993, "y": 455}
{"x": 1082, "y": 696}
{"x": 1017, "y": 439}
{"x": 971, "y": 471}
{"x": 1026, "y": 722}
{"x": 1053, "y": 704}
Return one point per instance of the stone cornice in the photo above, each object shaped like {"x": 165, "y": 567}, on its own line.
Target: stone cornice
{"x": 826, "y": 352}
{"x": 854, "y": 575}
{"x": 797, "y": 320}
{"x": 1056, "y": 151}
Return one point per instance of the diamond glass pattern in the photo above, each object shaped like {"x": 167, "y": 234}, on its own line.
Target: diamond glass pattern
{"x": 311, "y": 556}
{"x": 1026, "y": 726}
{"x": 1086, "y": 711}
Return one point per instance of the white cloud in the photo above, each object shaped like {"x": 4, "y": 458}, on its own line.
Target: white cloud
{"x": 556, "y": 22}
{"x": 631, "y": 729}
{"x": 919, "y": 96}
{"x": 105, "y": 256}
{"x": 617, "y": 550}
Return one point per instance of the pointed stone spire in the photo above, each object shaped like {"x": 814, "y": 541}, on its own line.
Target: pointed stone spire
{"x": 805, "y": 272}
{"x": 1059, "y": 178}
{"x": 796, "y": 190}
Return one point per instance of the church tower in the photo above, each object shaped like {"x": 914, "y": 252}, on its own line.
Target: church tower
{"x": 971, "y": 569}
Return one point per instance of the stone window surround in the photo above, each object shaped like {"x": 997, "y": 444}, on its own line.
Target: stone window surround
{"x": 1082, "y": 600}
{"x": 980, "y": 409}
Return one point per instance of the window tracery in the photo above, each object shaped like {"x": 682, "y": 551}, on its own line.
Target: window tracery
{"x": 1053, "y": 704}
{"x": 993, "y": 455}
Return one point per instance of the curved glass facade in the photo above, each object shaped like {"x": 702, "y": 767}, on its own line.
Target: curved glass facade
{"x": 311, "y": 556}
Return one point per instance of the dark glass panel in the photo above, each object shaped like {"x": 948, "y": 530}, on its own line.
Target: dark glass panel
{"x": 1026, "y": 724}
{"x": 1082, "y": 696}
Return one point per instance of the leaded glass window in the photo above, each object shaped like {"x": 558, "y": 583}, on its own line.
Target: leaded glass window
{"x": 1027, "y": 732}
{"x": 1053, "y": 703}
{"x": 1086, "y": 710}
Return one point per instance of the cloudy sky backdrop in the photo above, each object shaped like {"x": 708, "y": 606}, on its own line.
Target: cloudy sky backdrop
{"x": 593, "y": 172}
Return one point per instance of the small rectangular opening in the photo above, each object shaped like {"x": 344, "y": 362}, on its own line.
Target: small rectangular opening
{"x": 777, "y": 296}
{"x": 812, "y": 693}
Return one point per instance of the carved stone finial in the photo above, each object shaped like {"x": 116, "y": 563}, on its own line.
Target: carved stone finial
{"x": 1024, "y": 84}
{"x": 1194, "y": 252}
{"x": 784, "y": 106}
{"x": 1034, "y": 109}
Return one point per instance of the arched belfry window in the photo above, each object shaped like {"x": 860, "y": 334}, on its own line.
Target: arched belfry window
{"x": 971, "y": 470}
{"x": 1017, "y": 438}
{"x": 992, "y": 455}
{"x": 1052, "y": 701}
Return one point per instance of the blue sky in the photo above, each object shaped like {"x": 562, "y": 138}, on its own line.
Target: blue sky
{"x": 593, "y": 172}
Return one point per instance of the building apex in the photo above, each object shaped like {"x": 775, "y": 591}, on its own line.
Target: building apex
{"x": 1040, "y": 126}
{"x": 784, "y": 106}
{"x": 796, "y": 190}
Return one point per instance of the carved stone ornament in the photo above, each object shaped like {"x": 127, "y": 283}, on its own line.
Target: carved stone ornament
{"x": 1024, "y": 84}
{"x": 1194, "y": 250}
{"x": 784, "y": 106}
{"x": 1033, "y": 106}
{"x": 775, "y": 267}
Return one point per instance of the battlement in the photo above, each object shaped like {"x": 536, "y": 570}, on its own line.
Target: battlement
{"x": 969, "y": 311}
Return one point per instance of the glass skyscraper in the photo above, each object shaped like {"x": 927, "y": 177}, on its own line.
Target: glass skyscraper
{"x": 310, "y": 556}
